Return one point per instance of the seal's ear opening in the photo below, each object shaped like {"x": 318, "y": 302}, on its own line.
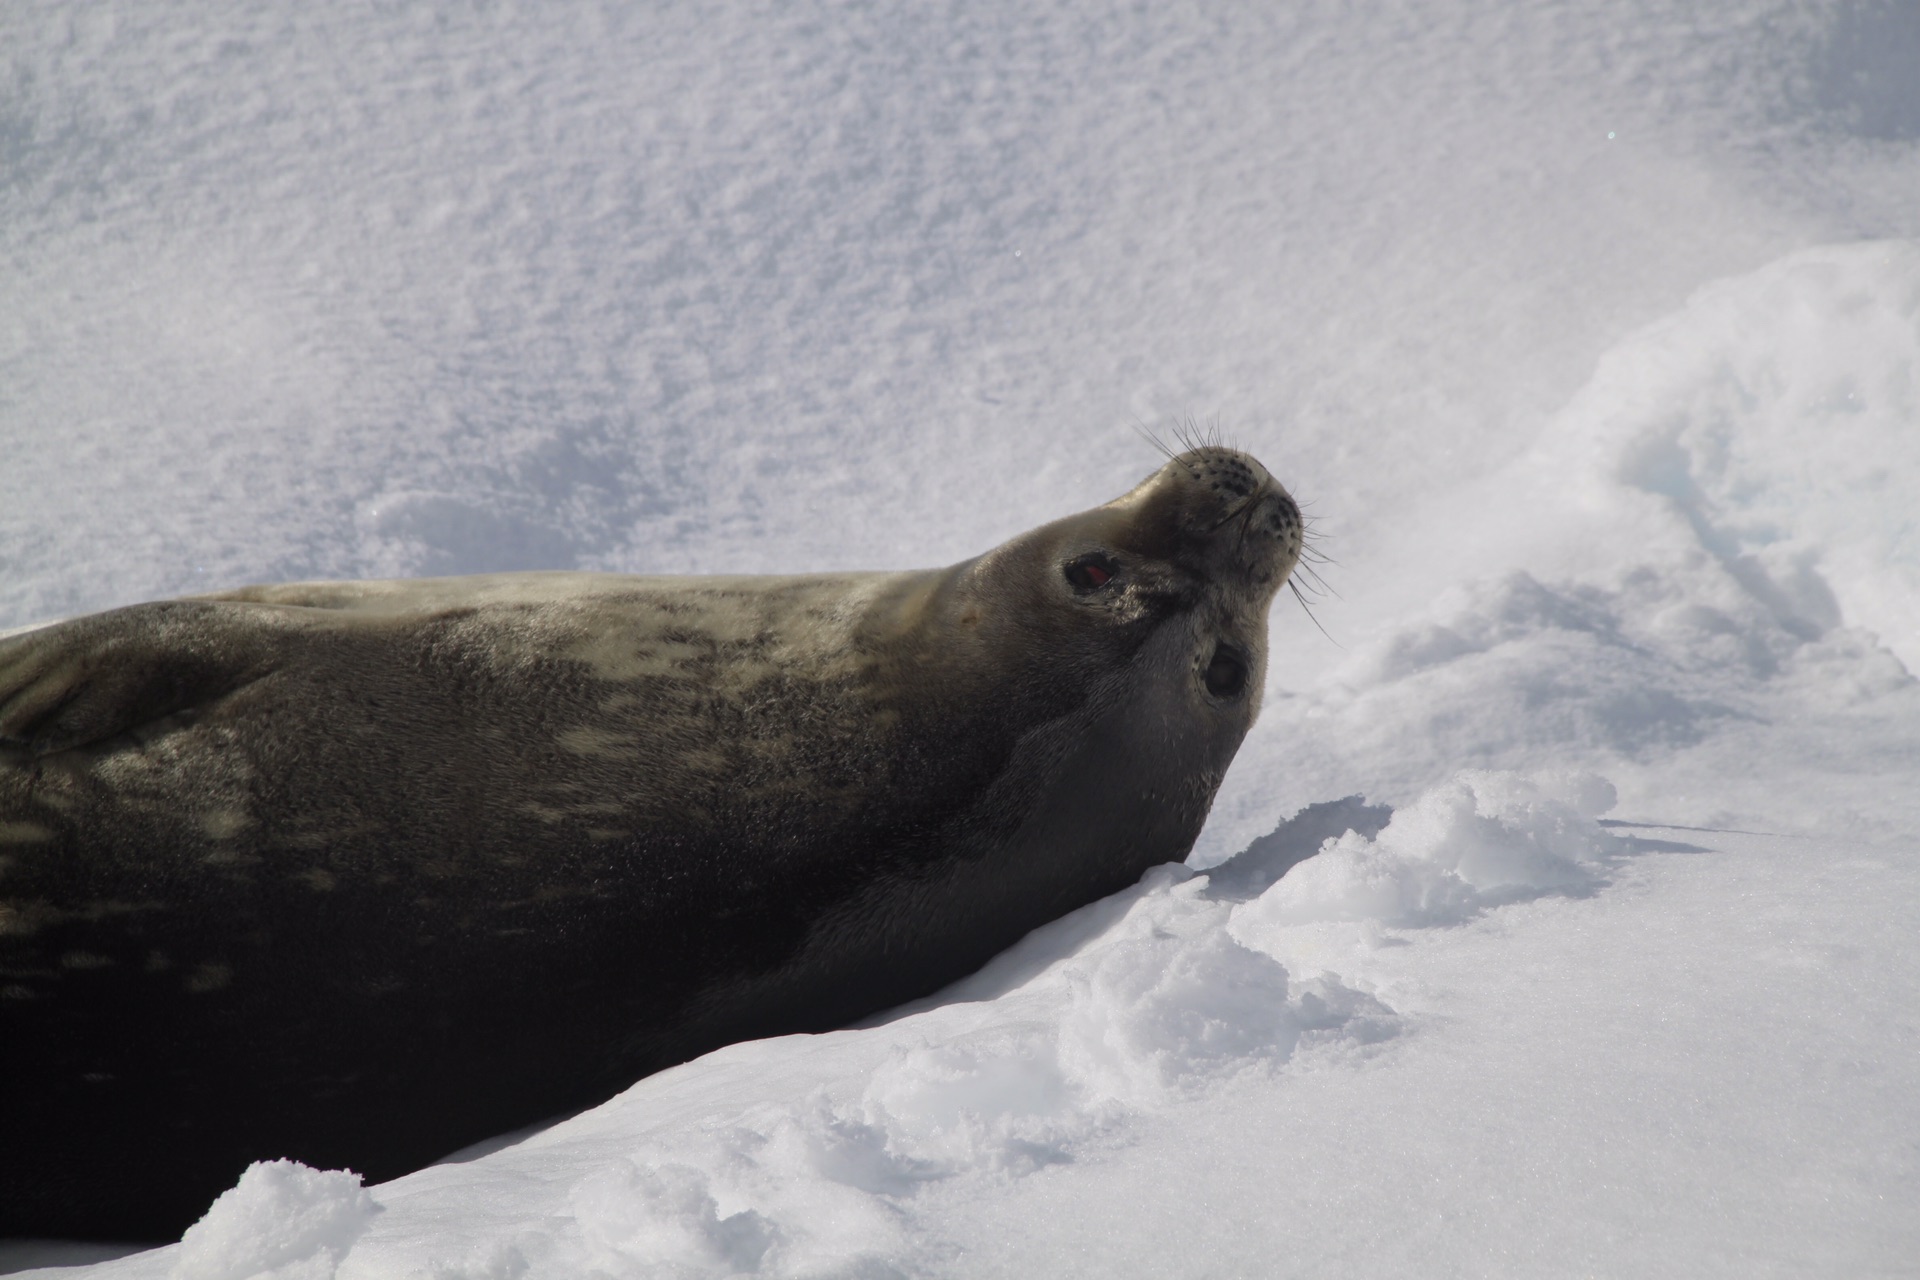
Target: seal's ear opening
{"x": 1226, "y": 673}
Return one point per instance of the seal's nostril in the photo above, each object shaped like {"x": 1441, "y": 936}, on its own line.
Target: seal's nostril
{"x": 1226, "y": 674}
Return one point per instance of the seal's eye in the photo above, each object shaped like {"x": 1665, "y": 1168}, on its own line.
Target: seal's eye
{"x": 1227, "y": 673}
{"x": 1090, "y": 573}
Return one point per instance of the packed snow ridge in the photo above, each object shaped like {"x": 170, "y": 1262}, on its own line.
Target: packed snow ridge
{"x": 1157, "y": 996}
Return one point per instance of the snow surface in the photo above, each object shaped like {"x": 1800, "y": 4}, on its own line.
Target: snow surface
{"x": 1590, "y": 336}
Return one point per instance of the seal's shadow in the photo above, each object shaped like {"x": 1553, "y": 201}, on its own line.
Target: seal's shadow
{"x": 1260, "y": 865}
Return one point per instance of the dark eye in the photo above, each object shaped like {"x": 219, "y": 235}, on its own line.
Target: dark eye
{"x": 1227, "y": 673}
{"x": 1090, "y": 573}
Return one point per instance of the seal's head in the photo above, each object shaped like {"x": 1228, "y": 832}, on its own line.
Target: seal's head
{"x": 1138, "y": 632}
{"x": 1183, "y": 567}
{"x": 1208, "y": 539}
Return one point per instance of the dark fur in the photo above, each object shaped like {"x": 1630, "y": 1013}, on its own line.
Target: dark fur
{"x": 360, "y": 874}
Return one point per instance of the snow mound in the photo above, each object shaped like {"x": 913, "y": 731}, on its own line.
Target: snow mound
{"x": 1160, "y": 1017}
{"x": 1478, "y": 841}
{"x": 1156, "y": 1009}
{"x": 1775, "y": 415}
{"x": 663, "y": 1221}
{"x": 1131, "y": 1009}
{"x": 281, "y": 1221}
{"x": 1708, "y": 557}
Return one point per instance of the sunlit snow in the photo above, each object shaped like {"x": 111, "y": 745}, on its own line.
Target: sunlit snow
{"x": 1572, "y": 930}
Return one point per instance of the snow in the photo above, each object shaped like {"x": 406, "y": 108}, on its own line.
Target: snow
{"x": 1589, "y": 336}
{"x": 1480, "y": 841}
{"x": 282, "y": 1220}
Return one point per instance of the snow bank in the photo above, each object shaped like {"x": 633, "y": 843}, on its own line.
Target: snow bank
{"x": 1778, "y": 417}
{"x": 1476, "y": 842}
{"x": 1157, "y": 1008}
{"x": 1145, "y": 1006}
{"x": 281, "y": 1221}
{"x": 1708, "y": 556}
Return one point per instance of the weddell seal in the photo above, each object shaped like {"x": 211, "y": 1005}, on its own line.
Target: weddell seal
{"x": 360, "y": 873}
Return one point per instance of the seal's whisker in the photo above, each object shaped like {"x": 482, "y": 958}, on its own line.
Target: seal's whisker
{"x": 1151, "y": 437}
{"x": 1192, "y": 435}
{"x": 1308, "y": 609}
{"x": 1309, "y": 537}
{"x": 1316, "y": 585}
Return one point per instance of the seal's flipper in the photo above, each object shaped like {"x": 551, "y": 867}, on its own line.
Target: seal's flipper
{"x": 93, "y": 678}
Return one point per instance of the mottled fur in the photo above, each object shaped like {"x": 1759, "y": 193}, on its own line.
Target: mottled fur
{"x": 359, "y": 873}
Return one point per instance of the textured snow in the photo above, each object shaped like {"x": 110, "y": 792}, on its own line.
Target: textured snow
{"x": 281, "y": 1220}
{"x": 1570, "y": 930}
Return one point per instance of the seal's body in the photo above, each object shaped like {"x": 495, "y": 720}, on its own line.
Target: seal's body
{"x": 360, "y": 873}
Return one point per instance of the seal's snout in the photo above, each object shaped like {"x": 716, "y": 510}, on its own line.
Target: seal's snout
{"x": 1227, "y": 507}
{"x": 1211, "y": 485}
{"x": 1227, "y": 472}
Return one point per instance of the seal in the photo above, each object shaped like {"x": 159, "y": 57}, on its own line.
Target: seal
{"x": 361, "y": 873}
